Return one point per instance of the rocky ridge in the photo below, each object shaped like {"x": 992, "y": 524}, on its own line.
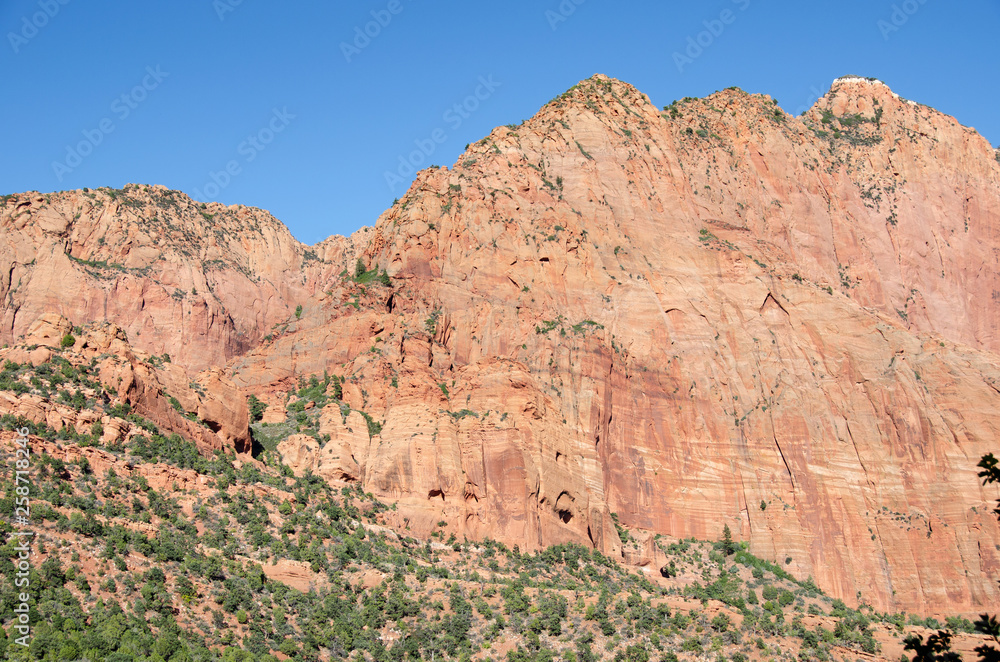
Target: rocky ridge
{"x": 672, "y": 319}
{"x": 202, "y": 281}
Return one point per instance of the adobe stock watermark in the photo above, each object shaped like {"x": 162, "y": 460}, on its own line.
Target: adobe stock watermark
{"x": 249, "y": 149}
{"x": 901, "y": 13}
{"x": 565, "y": 9}
{"x": 363, "y": 36}
{"x": 454, "y": 117}
{"x": 714, "y": 28}
{"x": 22, "y": 518}
{"x": 30, "y": 25}
{"x": 122, "y": 107}
{"x": 223, "y": 7}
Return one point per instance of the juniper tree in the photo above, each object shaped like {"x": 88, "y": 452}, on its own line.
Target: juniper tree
{"x": 728, "y": 546}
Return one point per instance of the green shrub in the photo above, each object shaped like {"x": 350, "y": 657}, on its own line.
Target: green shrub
{"x": 67, "y": 341}
{"x": 430, "y": 324}
{"x": 374, "y": 427}
{"x": 256, "y": 408}
{"x": 728, "y": 546}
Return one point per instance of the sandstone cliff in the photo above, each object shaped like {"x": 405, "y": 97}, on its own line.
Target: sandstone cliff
{"x": 710, "y": 314}
{"x": 115, "y": 378}
{"x": 201, "y": 281}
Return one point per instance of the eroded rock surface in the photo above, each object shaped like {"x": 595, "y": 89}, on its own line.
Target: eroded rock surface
{"x": 710, "y": 314}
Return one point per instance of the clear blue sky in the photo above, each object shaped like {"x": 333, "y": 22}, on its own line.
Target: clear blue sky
{"x": 202, "y": 77}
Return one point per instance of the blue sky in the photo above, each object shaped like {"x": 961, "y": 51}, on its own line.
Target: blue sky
{"x": 284, "y": 106}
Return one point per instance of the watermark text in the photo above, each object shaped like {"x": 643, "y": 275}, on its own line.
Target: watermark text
{"x": 249, "y": 149}
{"x": 363, "y": 35}
{"x": 699, "y": 43}
{"x": 562, "y": 13}
{"x": 30, "y": 25}
{"x": 122, "y": 107}
{"x": 901, "y": 13}
{"x": 454, "y": 117}
{"x": 22, "y": 515}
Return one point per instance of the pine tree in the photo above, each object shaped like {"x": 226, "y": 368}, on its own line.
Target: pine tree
{"x": 728, "y": 546}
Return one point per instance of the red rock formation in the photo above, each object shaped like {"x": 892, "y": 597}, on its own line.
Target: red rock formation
{"x": 218, "y": 416}
{"x": 636, "y": 318}
{"x": 711, "y": 314}
{"x": 199, "y": 280}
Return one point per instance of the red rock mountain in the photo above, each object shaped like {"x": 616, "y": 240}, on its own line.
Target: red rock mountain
{"x": 710, "y": 314}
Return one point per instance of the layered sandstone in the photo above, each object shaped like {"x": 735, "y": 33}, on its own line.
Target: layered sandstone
{"x": 202, "y": 281}
{"x": 690, "y": 318}
{"x": 207, "y": 410}
{"x": 711, "y": 314}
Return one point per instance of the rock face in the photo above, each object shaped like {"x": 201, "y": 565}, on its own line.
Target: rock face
{"x": 712, "y": 314}
{"x": 208, "y": 411}
{"x": 199, "y": 280}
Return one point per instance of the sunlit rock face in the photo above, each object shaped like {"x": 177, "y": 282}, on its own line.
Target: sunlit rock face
{"x": 709, "y": 314}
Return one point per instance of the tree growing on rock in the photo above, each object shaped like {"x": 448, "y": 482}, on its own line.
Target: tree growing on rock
{"x": 729, "y": 547}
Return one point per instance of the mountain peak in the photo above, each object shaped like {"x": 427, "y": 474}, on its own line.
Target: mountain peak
{"x": 867, "y": 87}
{"x": 870, "y": 99}
{"x": 598, "y": 88}
{"x": 611, "y": 314}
